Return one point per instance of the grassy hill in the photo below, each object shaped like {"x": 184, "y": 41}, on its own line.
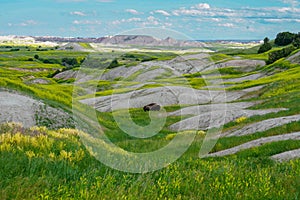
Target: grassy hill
{"x": 45, "y": 163}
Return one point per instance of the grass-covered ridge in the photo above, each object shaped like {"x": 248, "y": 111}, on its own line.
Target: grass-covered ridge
{"x": 38, "y": 163}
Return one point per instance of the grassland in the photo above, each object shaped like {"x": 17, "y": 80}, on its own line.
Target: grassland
{"x": 38, "y": 163}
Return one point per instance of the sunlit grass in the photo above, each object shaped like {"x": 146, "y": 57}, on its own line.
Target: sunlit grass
{"x": 38, "y": 163}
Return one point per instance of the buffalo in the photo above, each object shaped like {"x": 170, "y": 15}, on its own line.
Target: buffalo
{"x": 151, "y": 107}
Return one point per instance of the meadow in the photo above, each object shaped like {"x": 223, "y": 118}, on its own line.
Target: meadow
{"x": 40, "y": 163}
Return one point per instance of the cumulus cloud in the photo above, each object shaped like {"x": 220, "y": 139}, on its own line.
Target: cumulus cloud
{"x": 133, "y": 11}
{"x": 163, "y": 12}
{"x": 78, "y": 13}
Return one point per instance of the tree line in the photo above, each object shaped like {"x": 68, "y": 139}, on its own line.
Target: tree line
{"x": 291, "y": 40}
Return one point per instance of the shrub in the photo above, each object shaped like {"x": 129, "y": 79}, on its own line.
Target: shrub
{"x": 276, "y": 55}
{"x": 69, "y": 61}
{"x": 114, "y": 64}
{"x": 15, "y": 49}
{"x": 264, "y": 48}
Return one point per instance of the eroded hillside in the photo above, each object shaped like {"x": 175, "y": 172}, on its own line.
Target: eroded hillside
{"x": 249, "y": 108}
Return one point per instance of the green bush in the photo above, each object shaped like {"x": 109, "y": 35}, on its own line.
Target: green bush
{"x": 284, "y": 38}
{"x": 276, "y": 55}
{"x": 264, "y": 48}
{"x": 114, "y": 64}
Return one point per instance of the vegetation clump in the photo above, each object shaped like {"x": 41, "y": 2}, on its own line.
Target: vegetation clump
{"x": 265, "y": 47}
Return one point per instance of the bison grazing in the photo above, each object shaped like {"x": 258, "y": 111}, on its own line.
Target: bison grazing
{"x": 151, "y": 107}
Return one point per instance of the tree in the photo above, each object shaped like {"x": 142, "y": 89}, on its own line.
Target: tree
{"x": 70, "y": 61}
{"x": 296, "y": 41}
{"x": 265, "y": 47}
{"x": 36, "y": 56}
{"x": 284, "y": 38}
{"x": 266, "y": 40}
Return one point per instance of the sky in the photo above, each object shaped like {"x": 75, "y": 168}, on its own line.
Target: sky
{"x": 181, "y": 19}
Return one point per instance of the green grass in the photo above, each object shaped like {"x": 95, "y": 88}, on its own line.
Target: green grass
{"x": 85, "y": 45}
{"x": 50, "y": 165}
{"x": 217, "y": 57}
{"x": 225, "y": 143}
{"x": 38, "y": 163}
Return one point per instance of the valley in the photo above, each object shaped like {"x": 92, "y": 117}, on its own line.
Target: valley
{"x": 73, "y": 124}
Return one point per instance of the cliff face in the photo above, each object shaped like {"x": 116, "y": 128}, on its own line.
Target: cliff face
{"x": 143, "y": 40}
{"x": 139, "y": 40}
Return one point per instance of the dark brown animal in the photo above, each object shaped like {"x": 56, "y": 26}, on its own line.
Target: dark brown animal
{"x": 151, "y": 107}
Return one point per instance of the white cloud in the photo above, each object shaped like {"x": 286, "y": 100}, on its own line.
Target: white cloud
{"x": 293, "y": 3}
{"x": 163, "y": 12}
{"x": 151, "y": 20}
{"x": 87, "y": 22}
{"x": 288, "y": 9}
{"x": 281, "y": 20}
{"x": 28, "y": 23}
{"x": 133, "y": 11}
{"x": 192, "y": 12}
{"x": 201, "y": 6}
{"x": 216, "y": 19}
{"x": 167, "y": 24}
{"x": 229, "y": 25}
{"x": 78, "y": 13}
{"x": 134, "y": 19}
{"x": 244, "y": 14}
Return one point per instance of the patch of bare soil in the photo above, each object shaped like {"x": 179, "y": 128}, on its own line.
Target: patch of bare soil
{"x": 30, "y": 112}
{"x": 286, "y": 156}
{"x": 256, "y": 143}
{"x": 263, "y": 125}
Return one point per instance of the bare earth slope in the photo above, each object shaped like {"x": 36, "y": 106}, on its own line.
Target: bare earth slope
{"x": 30, "y": 112}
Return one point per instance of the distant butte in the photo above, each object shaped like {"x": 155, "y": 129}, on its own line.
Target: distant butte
{"x": 139, "y": 40}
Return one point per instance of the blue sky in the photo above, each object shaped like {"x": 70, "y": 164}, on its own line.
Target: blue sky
{"x": 203, "y": 20}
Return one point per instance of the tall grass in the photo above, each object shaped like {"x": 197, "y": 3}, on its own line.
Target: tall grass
{"x": 54, "y": 164}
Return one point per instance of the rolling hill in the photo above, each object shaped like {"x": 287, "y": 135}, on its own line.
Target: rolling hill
{"x": 233, "y": 120}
